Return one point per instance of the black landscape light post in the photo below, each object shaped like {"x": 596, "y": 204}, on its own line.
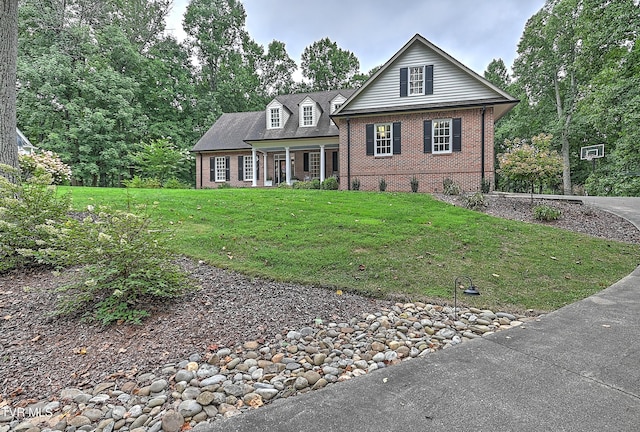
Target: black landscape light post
{"x": 469, "y": 289}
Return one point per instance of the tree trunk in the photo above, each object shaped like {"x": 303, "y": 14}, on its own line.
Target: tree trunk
{"x": 565, "y": 121}
{"x": 8, "y": 58}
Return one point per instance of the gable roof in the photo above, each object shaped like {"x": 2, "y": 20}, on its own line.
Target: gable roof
{"x": 233, "y": 131}
{"x": 486, "y": 93}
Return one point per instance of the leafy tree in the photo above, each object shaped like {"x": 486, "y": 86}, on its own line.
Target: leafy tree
{"x": 563, "y": 48}
{"x": 161, "y": 160}
{"x": 277, "y": 70}
{"x": 8, "y": 58}
{"x": 530, "y": 162}
{"x": 497, "y": 74}
{"x": 327, "y": 66}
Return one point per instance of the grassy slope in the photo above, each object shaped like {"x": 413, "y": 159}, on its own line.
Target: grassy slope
{"x": 381, "y": 243}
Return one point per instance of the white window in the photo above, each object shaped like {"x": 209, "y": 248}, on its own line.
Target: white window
{"x": 274, "y": 118}
{"x": 314, "y": 165}
{"x": 383, "y": 139}
{"x": 416, "y": 80}
{"x": 221, "y": 169}
{"x": 307, "y": 115}
{"x": 441, "y": 134}
{"x": 248, "y": 168}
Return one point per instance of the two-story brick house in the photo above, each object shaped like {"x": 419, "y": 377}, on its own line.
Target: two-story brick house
{"x": 423, "y": 115}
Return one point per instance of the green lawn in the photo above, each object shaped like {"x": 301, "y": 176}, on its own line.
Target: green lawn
{"x": 380, "y": 244}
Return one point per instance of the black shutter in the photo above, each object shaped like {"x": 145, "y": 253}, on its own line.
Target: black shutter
{"x": 396, "y": 138}
{"x": 369, "y": 140}
{"x": 212, "y": 169}
{"x": 428, "y": 79}
{"x": 257, "y": 168}
{"x": 241, "y": 168}
{"x": 457, "y": 134}
{"x": 404, "y": 82}
{"x": 305, "y": 162}
{"x": 427, "y": 136}
{"x": 227, "y": 164}
{"x": 334, "y": 161}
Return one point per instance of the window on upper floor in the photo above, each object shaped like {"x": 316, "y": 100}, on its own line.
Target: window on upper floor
{"x": 416, "y": 80}
{"x": 307, "y": 115}
{"x": 335, "y": 107}
{"x": 275, "y": 118}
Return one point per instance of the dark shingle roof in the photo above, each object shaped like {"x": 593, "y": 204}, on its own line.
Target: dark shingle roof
{"x": 232, "y": 131}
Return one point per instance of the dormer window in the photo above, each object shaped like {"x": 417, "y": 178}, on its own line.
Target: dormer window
{"x": 335, "y": 107}
{"x": 275, "y": 118}
{"x": 307, "y": 115}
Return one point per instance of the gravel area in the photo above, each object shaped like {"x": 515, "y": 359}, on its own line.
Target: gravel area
{"x": 41, "y": 356}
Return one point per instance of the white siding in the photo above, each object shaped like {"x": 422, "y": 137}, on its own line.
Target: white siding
{"x": 450, "y": 83}
{"x": 284, "y": 114}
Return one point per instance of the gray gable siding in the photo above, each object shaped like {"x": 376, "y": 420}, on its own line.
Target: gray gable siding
{"x": 450, "y": 83}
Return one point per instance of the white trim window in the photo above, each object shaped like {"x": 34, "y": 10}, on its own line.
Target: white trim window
{"x": 383, "y": 141}
{"x": 248, "y": 168}
{"x": 275, "y": 118}
{"x": 416, "y": 80}
{"x": 307, "y": 115}
{"x": 441, "y": 133}
{"x": 335, "y": 106}
{"x": 221, "y": 169}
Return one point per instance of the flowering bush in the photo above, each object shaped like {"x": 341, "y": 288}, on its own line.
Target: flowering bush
{"x": 126, "y": 264}
{"x": 530, "y": 163}
{"x": 45, "y": 161}
{"x": 32, "y": 214}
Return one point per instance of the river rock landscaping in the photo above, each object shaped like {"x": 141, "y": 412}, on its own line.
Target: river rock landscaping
{"x": 226, "y": 381}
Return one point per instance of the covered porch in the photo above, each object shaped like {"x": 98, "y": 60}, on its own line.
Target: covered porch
{"x": 288, "y": 161}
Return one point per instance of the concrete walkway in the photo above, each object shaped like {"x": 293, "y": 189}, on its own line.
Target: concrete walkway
{"x": 576, "y": 369}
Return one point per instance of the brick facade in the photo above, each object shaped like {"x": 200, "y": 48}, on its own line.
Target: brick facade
{"x": 462, "y": 167}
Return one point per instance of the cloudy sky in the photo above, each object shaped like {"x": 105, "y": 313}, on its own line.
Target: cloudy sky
{"x": 472, "y": 31}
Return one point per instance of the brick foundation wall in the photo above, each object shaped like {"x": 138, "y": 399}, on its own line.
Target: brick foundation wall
{"x": 462, "y": 167}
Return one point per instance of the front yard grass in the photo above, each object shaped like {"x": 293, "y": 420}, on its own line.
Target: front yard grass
{"x": 399, "y": 245}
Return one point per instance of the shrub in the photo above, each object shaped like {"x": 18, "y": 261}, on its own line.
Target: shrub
{"x": 284, "y": 185}
{"x": 45, "y": 162}
{"x": 224, "y": 185}
{"x": 449, "y": 187}
{"x": 546, "y": 213}
{"x": 414, "y": 184}
{"x": 174, "y": 183}
{"x": 330, "y": 183}
{"x": 138, "y": 182}
{"x": 475, "y": 201}
{"x": 126, "y": 264}
{"x": 32, "y": 213}
{"x": 382, "y": 185}
{"x": 485, "y": 186}
{"x": 355, "y": 184}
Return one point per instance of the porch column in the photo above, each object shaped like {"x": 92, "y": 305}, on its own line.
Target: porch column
{"x": 322, "y": 164}
{"x": 254, "y": 160}
{"x": 288, "y": 166}
{"x": 266, "y": 168}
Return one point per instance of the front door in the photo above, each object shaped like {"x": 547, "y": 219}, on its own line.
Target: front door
{"x": 280, "y": 174}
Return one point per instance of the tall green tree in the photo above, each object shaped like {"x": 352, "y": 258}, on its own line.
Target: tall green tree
{"x": 277, "y": 70}
{"x": 8, "y": 59}
{"x": 563, "y": 48}
{"x": 327, "y": 66}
